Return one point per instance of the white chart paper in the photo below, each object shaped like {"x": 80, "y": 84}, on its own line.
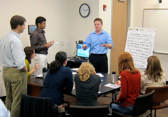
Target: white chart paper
{"x": 140, "y": 44}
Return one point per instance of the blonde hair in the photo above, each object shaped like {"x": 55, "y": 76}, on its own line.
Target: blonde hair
{"x": 125, "y": 62}
{"x": 154, "y": 69}
{"x": 85, "y": 70}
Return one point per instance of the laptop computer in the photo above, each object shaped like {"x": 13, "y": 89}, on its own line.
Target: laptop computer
{"x": 82, "y": 53}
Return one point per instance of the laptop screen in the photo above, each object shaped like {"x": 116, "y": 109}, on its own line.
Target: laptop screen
{"x": 82, "y": 52}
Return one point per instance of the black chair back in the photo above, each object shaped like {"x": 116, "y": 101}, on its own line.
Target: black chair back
{"x": 88, "y": 111}
{"x": 37, "y": 107}
{"x": 143, "y": 103}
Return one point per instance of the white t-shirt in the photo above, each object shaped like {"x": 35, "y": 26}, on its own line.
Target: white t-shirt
{"x": 3, "y": 111}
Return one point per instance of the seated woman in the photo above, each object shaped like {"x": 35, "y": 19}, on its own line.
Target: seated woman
{"x": 153, "y": 75}
{"x": 87, "y": 85}
{"x": 130, "y": 84}
{"x": 58, "y": 79}
{"x": 30, "y": 53}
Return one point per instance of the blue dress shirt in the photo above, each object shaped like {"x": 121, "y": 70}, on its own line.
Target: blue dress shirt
{"x": 94, "y": 41}
{"x": 11, "y": 49}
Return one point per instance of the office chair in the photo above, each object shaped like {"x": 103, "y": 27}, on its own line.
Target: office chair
{"x": 141, "y": 106}
{"x": 37, "y": 107}
{"x": 88, "y": 111}
{"x": 159, "y": 97}
{"x": 33, "y": 89}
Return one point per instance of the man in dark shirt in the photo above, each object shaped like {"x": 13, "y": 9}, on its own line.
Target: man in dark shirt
{"x": 39, "y": 42}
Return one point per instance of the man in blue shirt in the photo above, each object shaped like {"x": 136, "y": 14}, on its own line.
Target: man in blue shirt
{"x": 14, "y": 69}
{"x": 99, "y": 42}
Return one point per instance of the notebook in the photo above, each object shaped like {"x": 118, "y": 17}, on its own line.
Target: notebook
{"x": 114, "y": 86}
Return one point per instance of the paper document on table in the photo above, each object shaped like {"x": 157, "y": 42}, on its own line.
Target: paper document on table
{"x": 73, "y": 73}
{"x": 112, "y": 85}
{"x": 56, "y": 42}
{"x": 40, "y": 75}
{"x": 99, "y": 74}
{"x": 74, "y": 69}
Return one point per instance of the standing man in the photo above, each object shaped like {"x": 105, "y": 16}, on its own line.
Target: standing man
{"x": 14, "y": 69}
{"x": 99, "y": 42}
{"x": 39, "y": 42}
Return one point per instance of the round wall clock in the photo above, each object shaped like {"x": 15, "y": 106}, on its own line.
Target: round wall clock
{"x": 84, "y": 10}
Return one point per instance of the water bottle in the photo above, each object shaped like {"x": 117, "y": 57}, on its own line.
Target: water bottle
{"x": 44, "y": 72}
{"x": 114, "y": 77}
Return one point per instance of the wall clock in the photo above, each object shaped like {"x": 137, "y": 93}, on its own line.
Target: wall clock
{"x": 84, "y": 10}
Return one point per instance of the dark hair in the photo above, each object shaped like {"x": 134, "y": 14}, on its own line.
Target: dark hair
{"x": 99, "y": 19}
{"x": 60, "y": 58}
{"x": 17, "y": 20}
{"x": 39, "y": 19}
{"x": 29, "y": 51}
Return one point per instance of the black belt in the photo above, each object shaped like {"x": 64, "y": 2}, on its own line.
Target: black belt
{"x": 98, "y": 54}
{"x": 42, "y": 53}
{"x": 10, "y": 67}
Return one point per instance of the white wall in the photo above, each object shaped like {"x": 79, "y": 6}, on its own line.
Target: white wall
{"x": 107, "y": 22}
{"x": 55, "y": 11}
{"x": 137, "y": 7}
{"x": 64, "y": 22}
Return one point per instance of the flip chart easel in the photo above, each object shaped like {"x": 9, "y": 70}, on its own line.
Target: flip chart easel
{"x": 140, "y": 44}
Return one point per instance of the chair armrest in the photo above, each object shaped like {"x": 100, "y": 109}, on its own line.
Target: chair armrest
{"x": 55, "y": 109}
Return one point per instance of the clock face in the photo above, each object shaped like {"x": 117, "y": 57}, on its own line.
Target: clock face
{"x": 84, "y": 10}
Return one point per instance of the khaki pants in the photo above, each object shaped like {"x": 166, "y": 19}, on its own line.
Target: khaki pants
{"x": 15, "y": 84}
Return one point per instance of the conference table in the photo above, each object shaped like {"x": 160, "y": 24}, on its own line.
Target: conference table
{"x": 103, "y": 90}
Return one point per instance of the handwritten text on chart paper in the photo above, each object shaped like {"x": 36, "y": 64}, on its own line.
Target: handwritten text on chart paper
{"x": 140, "y": 44}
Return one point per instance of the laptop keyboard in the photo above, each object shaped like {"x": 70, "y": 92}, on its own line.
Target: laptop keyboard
{"x": 78, "y": 59}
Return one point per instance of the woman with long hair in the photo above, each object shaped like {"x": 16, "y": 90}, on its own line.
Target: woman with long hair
{"x": 153, "y": 75}
{"x": 130, "y": 84}
{"x": 59, "y": 79}
{"x": 87, "y": 85}
{"x": 30, "y": 53}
